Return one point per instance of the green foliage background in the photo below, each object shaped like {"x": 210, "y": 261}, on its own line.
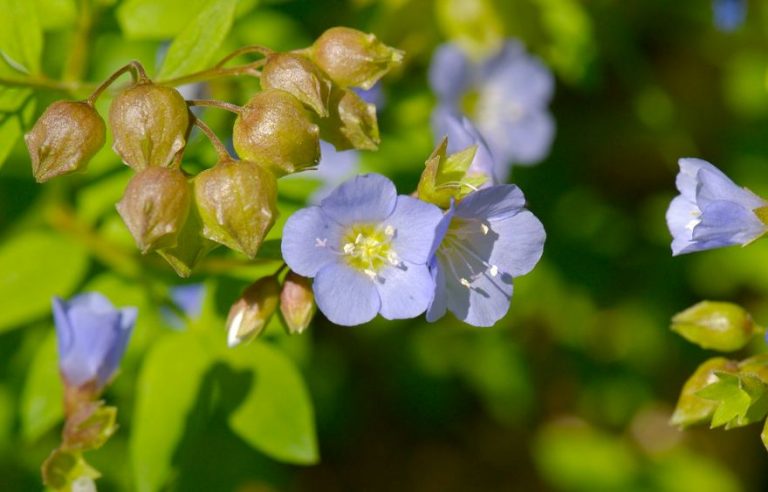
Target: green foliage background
{"x": 571, "y": 392}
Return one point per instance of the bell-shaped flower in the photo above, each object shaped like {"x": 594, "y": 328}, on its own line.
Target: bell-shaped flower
{"x": 506, "y": 96}
{"x": 485, "y": 241}
{"x": 92, "y": 336}
{"x": 712, "y": 211}
{"x": 367, "y": 249}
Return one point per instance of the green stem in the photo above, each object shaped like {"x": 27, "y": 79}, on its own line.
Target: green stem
{"x": 221, "y": 150}
{"x": 137, "y": 71}
{"x": 251, "y": 69}
{"x": 74, "y": 69}
{"x": 212, "y": 103}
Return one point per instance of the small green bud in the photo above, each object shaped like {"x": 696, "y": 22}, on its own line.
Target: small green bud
{"x": 276, "y": 131}
{"x": 90, "y": 426}
{"x": 297, "y": 302}
{"x": 155, "y": 206}
{"x": 64, "y": 467}
{"x": 149, "y": 125}
{"x": 692, "y": 409}
{"x": 715, "y": 325}
{"x": 297, "y": 75}
{"x": 250, "y": 314}
{"x": 191, "y": 246}
{"x": 352, "y": 58}
{"x": 445, "y": 176}
{"x": 237, "y": 202}
{"x": 64, "y": 139}
{"x": 352, "y": 122}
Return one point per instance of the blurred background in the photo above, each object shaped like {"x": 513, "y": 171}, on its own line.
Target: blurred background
{"x": 572, "y": 391}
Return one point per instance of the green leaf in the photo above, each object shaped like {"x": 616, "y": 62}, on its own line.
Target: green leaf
{"x": 21, "y": 38}
{"x": 34, "y": 267}
{"x": 56, "y": 14}
{"x": 17, "y": 107}
{"x": 157, "y": 19}
{"x": 167, "y": 389}
{"x": 195, "y": 46}
{"x": 276, "y": 416}
{"x": 42, "y": 397}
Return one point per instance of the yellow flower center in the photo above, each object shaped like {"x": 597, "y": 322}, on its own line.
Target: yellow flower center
{"x": 368, "y": 248}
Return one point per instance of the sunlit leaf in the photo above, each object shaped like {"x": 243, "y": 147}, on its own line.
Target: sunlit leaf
{"x": 21, "y": 38}
{"x": 42, "y": 397}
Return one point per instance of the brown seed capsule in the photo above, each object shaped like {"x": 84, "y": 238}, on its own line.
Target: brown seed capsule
{"x": 352, "y": 122}
{"x": 297, "y": 75}
{"x": 352, "y": 58}
{"x": 149, "y": 125}
{"x": 275, "y": 130}
{"x": 64, "y": 139}
{"x": 155, "y": 207}
{"x": 250, "y": 314}
{"x": 237, "y": 202}
{"x": 297, "y": 303}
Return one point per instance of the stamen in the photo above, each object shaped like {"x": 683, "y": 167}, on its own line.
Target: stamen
{"x": 370, "y": 273}
{"x": 321, "y": 243}
{"x": 389, "y": 231}
{"x": 392, "y": 258}
{"x": 465, "y": 283}
{"x": 494, "y": 270}
{"x": 485, "y": 228}
{"x": 349, "y": 248}
{"x": 359, "y": 238}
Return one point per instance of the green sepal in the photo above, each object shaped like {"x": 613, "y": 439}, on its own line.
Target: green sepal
{"x": 190, "y": 248}
{"x": 692, "y": 409}
{"x": 63, "y": 467}
{"x": 445, "y": 176}
{"x": 90, "y": 426}
{"x": 743, "y": 399}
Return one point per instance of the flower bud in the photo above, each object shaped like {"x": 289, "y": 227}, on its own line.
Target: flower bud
{"x": 297, "y": 302}
{"x": 352, "y": 58}
{"x": 155, "y": 206}
{"x": 89, "y": 426}
{"x": 692, "y": 409}
{"x": 149, "y": 125}
{"x": 352, "y": 122}
{"x": 298, "y": 76}
{"x": 64, "y": 139}
{"x": 250, "y": 314}
{"x": 447, "y": 177}
{"x": 276, "y": 131}
{"x": 715, "y": 325}
{"x": 237, "y": 202}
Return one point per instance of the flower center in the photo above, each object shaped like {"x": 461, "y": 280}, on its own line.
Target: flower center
{"x": 368, "y": 248}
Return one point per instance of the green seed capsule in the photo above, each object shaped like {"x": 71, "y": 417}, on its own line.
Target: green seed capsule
{"x": 352, "y": 122}
{"x": 297, "y": 75}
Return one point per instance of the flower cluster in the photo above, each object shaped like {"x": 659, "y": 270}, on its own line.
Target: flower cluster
{"x": 505, "y": 95}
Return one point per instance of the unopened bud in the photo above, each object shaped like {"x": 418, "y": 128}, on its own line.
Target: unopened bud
{"x": 352, "y": 58}
{"x": 352, "y": 122}
{"x": 715, "y": 325}
{"x": 237, "y": 202}
{"x": 250, "y": 314}
{"x": 155, "y": 206}
{"x": 64, "y": 139}
{"x": 692, "y": 409}
{"x": 297, "y": 75}
{"x": 297, "y": 302}
{"x": 149, "y": 125}
{"x": 275, "y": 130}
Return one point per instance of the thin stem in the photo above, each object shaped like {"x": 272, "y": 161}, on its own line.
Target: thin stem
{"x": 137, "y": 71}
{"x": 221, "y": 150}
{"x": 244, "y": 51}
{"x": 212, "y": 103}
{"x": 251, "y": 69}
{"x": 78, "y": 54}
{"x": 43, "y": 83}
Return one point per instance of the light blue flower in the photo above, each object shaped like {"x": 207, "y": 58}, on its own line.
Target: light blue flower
{"x": 92, "y": 336}
{"x": 506, "y": 96}
{"x": 367, "y": 249}
{"x": 485, "y": 241}
{"x": 729, "y": 15}
{"x": 335, "y": 167}
{"x": 711, "y": 210}
{"x": 188, "y": 298}
{"x": 461, "y": 134}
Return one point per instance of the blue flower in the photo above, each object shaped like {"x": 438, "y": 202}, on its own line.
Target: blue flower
{"x": 506, "y": 96}
{"x": 92, "y": 336}
{"x": 711, "y": 210}
{"x": 188, "y": 298}
{"x": 334, "y": 168}
{"x": 367, "y": 249}
{"x": 485, "y": 241}
{"x": 729, "y": 14}
{"x": 461, "y": 134}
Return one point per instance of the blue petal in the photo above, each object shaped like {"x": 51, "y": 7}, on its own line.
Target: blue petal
{"x": 189, "y": 298}
{"x": 405, "y": 290}
{"x": 334, "y": 168}
{"x": 415, "y": 223}
{"x": 449, "y": 73}
{"x": 64, "y": 334}
{"x": 522, "y": 140}
{"x": 346, "y": 296}
{"x": 497, "y": 201}
{"x": 364, "y": 198}
{"x": 715, "y": 186}
{"x": 94, "y": 334}
{"x": 519, "y": 245}
{"x": 310, "y": 241}
{"x": 439, "y": 305}
{"x": 687, "y": 179}
{"x": 526, "y": 80}
{"x": 728, "y": 223}
{"x": 682, "y": 216}
{"x": 729, "y": 14}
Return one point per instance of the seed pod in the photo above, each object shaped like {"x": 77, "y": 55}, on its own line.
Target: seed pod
{"x": 275, "y": 130}
{"x": 149, "y": 125}
{"x": 715, "y": 325}
{"x": 155, "y": 206}
{"x": 64, "y": 139}
{"x": 250, "y": 314}
{"x": 190, "y": 247}
{"x": 352, "y": 58}
{"x": 297, "y": 75}
{"x": 352, "y": 122}
{"x": 297, "y": 302}
{"x": 237, "y": 202}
